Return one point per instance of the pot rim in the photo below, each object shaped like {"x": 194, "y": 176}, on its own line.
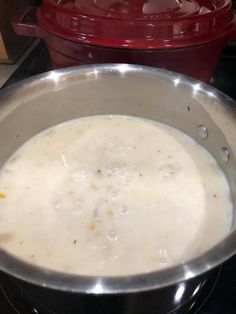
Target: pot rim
{"x": 122, "y": 284}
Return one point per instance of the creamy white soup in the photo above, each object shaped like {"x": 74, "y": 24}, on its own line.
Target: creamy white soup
{"x": 112, "y": 195}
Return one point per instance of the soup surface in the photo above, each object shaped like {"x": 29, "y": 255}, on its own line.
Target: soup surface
{"x": 112, "y": 195}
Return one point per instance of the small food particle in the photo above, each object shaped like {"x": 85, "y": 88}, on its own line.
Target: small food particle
{"x": 94, "y": 187}
{"x": 2, "y": 195}
{"x": 214, "y": 195}
{"x": 97, "y": 215}
{"x": 140, "y": 175}
{"x": 63, "y": 160}
{"x": 109, "y": 213}
{"x": 92, "y": 227}
{"x": 74, "y": 241}
{"x": 99, "y": 173}
{"x": 188, "y": 108}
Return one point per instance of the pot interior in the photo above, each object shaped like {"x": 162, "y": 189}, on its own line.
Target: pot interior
{"x": 205, "y": 114}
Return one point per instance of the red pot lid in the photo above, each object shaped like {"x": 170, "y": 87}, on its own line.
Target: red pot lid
{"x": 139, "y": 24}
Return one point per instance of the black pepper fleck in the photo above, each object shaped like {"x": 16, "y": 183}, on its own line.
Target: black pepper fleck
{"x": 74, "y": 241}
{"x": 188, "y": 108}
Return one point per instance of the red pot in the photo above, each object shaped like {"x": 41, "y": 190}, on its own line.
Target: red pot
{"x": 185, "y": 36}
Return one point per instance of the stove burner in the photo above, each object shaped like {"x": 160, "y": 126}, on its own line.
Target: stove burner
{"x": 17, "y": 302}
{"x": 13, "y": 300}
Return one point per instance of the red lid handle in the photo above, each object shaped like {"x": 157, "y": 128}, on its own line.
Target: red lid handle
{"x": 25, "y": 23}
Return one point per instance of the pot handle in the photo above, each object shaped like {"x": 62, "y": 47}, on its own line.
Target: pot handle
{"x": 233, "y": 34}
{"x": 25, "y": 23}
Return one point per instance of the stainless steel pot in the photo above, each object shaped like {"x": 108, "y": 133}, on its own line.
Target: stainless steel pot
{"x": 202, "y": 112}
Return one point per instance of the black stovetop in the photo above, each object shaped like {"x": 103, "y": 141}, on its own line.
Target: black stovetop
{"x": 222, "y": 300}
